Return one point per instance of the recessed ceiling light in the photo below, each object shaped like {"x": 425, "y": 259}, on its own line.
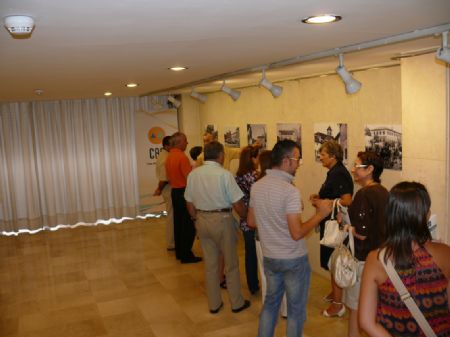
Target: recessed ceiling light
{"x": 107, "y": 93}
{"x": 324, "y": 18}
{"x": 132, "y": 85}
{"x": 38, "y": 92}
{"x": 177, "y": 68}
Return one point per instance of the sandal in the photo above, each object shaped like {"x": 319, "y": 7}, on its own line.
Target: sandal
{"x": 340, "y": 313}
{"x": 328, "y": 298}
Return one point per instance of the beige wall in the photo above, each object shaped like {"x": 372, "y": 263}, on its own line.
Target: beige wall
{"x": 425, "y": 94}
{"x": 308, "y": 101}
{"x": 415, "y": 94}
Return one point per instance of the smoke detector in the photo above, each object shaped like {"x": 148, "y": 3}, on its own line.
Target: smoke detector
{"x": 19, "y": 24}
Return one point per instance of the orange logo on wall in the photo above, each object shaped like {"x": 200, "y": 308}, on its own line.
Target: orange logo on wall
{"x": 156, "y": 135}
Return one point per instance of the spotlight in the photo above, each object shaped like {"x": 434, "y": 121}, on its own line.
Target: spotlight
{"x": 176, "y": 103}
{"x": 234, "y": 94}
{"x": 276, "y": 90}
{"x": 351, "y": 85}
{"x": 198, "y": 96}
{"x": 443, "y": 53}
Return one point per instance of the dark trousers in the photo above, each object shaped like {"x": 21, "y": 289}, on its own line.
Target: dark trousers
{"x": 184, "y": 230}
{"x": 251, "y": 261}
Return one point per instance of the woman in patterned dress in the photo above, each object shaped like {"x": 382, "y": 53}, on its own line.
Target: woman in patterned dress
{"x": 246, "y": 176}
{"x": 423, "y": 266}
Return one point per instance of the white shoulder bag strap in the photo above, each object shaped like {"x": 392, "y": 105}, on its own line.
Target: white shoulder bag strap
{"x": 406, "y": 296}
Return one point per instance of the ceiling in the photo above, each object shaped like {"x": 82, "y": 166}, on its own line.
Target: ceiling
{"x": 80, "y": 49}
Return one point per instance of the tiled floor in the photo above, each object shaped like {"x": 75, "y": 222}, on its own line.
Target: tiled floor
{"x": 119, "y": 281}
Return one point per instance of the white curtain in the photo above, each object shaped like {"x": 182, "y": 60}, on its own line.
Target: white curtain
{"x": 65, "y": 162}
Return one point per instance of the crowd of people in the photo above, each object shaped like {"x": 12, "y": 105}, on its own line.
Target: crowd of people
{"x": 203, "y": 195}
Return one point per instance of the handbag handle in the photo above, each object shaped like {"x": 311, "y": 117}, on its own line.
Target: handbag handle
{"x": 335, "y": 203}
{"x": 406, "y": 296}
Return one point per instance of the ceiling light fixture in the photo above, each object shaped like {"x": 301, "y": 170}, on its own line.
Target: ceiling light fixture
{"x": 19, "y": 24}
{"x": 178, "y": 68}
{"x": 108, "y": 93}
{"x": 234, "y": 94}
{"x": 132, "y": 85}
{"x": 276, "y": 90}
{"x": 38, "y": 92}
{"x": 351, "y": 85}
{"x": 320, "y": 19}
{"x": 198, "y": 96}
{"x": 443, "y": 53}
{"x": 176, "y": 103}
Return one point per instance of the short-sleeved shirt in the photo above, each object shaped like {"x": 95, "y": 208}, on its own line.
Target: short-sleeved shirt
{"x": 177, "y": 168}
{"x": 272, "y": 199}
{"x": 211, "y": 187}
{"x": 338, "y": 182}
{"x": 368, "y": 215}
{"x": 161, "y": 165}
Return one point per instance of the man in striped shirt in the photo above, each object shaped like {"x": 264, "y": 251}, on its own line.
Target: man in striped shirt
{"x": 275, "y": 207}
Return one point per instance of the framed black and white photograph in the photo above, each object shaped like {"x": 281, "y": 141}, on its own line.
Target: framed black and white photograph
{"x": 292, "y": 131}
{"x": 231, "y": 136}
{"x": 330, "y": 131}
{"x": 386, "y": 141}
{"x": 212, "y": 129}
{"x": 256, "y": 133}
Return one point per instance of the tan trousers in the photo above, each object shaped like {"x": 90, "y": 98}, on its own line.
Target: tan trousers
{"x": 218, "y": 233}
{"x": 166, "y": 194}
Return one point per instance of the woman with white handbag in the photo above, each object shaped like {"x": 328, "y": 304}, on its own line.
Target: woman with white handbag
{"x": 410, "y": 262}
{"x": 338, "y": 185}
{"x": 367, "y": 216}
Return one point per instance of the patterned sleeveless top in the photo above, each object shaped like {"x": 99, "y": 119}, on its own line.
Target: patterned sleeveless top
{"x": 428, "y": 286}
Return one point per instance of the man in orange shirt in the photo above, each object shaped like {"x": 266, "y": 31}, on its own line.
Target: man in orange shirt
{"x": 177, "y": 168}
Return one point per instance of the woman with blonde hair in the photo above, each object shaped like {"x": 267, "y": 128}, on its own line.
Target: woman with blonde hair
{"x": 337, "y": 185}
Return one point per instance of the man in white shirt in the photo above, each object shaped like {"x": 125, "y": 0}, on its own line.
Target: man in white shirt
{"x": 211, "y": 193}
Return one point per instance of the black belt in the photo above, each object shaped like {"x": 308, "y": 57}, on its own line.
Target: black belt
{"x": 221, "y": 210}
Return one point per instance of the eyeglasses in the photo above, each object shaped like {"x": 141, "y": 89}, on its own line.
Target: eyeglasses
{"x": 295, "y": 159}
{"x": 359, "y": 165}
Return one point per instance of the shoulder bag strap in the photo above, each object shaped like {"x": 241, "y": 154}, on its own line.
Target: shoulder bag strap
{"x": 351, "y": 242}
{"x": 346, "y": 220}
{"x": 406, "y": 296}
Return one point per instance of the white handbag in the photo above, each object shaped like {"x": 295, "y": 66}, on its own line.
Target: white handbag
{"x": 343, "y": 265}
{"x": 333, "y": 236}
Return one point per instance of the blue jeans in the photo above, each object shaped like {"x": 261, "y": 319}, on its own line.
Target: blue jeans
{"x": 292, "y": 275}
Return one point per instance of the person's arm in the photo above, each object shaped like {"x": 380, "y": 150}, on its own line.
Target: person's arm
{"x": 345, "y": 199}
{"x": 251, "y": 220}
{"x": 368, "y": 299}
{"x": 192, "y": 211}
{"x": 299, "y": 229}
{"x": 161, "y": 185}
{"x": 240, "y": 208}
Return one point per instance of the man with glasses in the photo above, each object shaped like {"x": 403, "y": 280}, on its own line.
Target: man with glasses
{"x": 275, "y": 208}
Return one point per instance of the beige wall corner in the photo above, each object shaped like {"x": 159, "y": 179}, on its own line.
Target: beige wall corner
{"x": 425, "y": 111}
